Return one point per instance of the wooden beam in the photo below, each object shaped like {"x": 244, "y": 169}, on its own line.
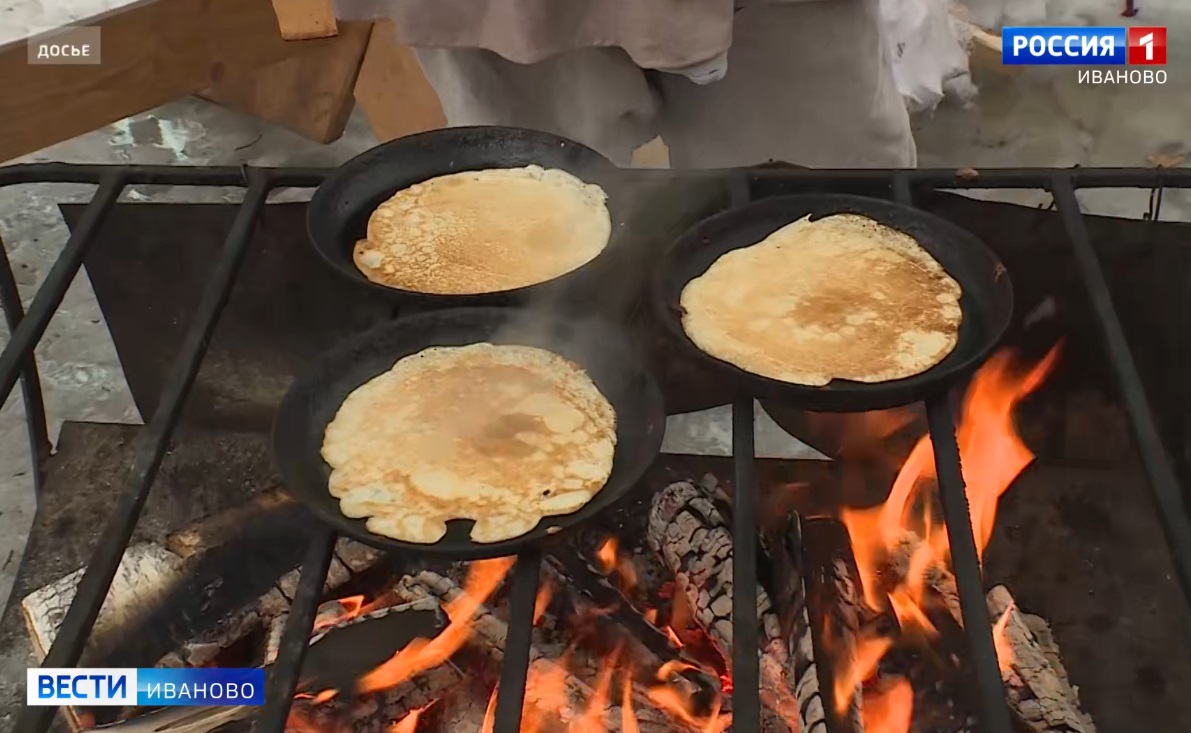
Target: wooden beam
{"x": 301, "y": 20}
{"x": 153, "y": 51}
{"x": 392, "y": 91}
{"x": 311, "y": 94}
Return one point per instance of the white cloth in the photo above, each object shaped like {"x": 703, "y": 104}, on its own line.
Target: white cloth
{"x": 809, "y": 83}
{"x": 929, "y": 46}
{"x": 708, "y": 71}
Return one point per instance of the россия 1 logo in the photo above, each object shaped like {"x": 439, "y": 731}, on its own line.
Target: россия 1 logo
{"x": 1080, "y": 46}
{"x": 1138, "y": 46}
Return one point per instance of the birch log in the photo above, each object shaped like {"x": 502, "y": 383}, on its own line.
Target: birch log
{"x": 694, "y": 541}
{"x": 1036, "y": 684}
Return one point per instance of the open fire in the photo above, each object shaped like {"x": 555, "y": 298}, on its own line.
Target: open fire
{"x": 596, "y": 683}
{"x": 632, "y": 631}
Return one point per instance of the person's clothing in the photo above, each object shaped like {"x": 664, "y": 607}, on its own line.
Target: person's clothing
{"x": 656, "y": 34}
{"x": 807, "y": 82}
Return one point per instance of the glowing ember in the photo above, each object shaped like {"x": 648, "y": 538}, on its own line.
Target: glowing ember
{"x": 889, "y": 708}
{"x": 422, "y": 654}
{"x": 1001, "y": 639}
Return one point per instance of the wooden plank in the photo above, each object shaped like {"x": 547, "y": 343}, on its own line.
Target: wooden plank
{"x": 301, "y": 20}
{"x": 392, "y": 91}
{"x": 153, "y": 51}
{"x": 311, "y": 94}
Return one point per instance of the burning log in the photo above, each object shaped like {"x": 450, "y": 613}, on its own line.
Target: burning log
{"x": 647, "y": 646}
{"x": 548, "y": 683}
{"x": 692, "y": 536}
{"x": 816, "y": 553}
{"x": 1037, "y": 688}
{"x": 1036, "y": 682}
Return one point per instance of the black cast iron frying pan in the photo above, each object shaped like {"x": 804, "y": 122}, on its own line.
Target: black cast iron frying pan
{"x": 337, "y": 215}
{"x": 601, "y": 349}
{"x": 987, "y": 301}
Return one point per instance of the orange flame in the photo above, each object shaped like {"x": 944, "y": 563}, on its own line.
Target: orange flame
{"x": 610, "y": 559}
{"x": 1001, "y": 639}
{"x": 545, "y": 593}
{"x": 628, "y": 719}
{"x": 869, "y": 651}
{"x": 673, "y": 637}
{"x": 992, "y": 456}
{"x": 408, "y": 724}
{"x": 421, "y": 654}
{"x": 592, "y": 720}
{"x": 607, "y": 555}
{"x": 889, "y": 708}
{"x": 348, "y": 608}
{"x": 489, "y": 723}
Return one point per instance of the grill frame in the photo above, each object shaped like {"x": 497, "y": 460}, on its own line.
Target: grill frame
{"x": 17, "y": 363}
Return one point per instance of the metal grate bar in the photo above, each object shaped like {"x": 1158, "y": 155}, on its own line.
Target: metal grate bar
{"x": 746, "y": 665}
{"x": 928, "y": 177}
{"x": 49, "y": 296}
{"x": 158, "y": 175}
{"x": 1154, "y": 457}
{"x": 965, "y": 560}
{"x": 35, "y": 420}
{"x": 966, "y": 563}
{"x": 295, "y": 639}
{"x": 514, "y": 671}
{"x": 76, "y": 626}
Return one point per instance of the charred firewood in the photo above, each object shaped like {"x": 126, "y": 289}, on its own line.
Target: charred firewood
{"x": 691, "y": 534}
{"x": 818, "y": 583}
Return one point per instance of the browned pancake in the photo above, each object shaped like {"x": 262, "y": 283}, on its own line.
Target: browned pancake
{"x": 842, "y": 297}
{"x": 484, "y": 231}
{"x": 504, "y": 435}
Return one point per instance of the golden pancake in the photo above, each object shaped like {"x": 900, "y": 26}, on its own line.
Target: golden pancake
{"x": 504, "y": 435}
{"x": 484, "y": 231}
{"x": 842, "y": 297}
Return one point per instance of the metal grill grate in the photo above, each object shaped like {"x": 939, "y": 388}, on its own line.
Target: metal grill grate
{"x": 28, "y": 328}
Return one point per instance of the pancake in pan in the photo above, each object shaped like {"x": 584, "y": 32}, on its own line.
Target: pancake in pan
{"x": 484, "y": 231}
{"x": 504, "y": 435}
{"x": 842, "y": 297}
